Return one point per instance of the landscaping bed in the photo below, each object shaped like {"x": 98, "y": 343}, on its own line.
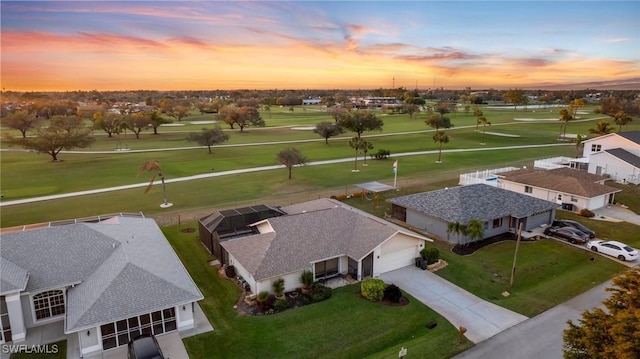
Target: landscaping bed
{"x": 470, "y": 248}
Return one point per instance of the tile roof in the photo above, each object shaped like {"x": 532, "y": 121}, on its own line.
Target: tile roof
{"x": 116, "y": 269}
{"x": 301, "y": 239}
{"x": 476, "y": 201}
{"x": 626, "y": 156}
{"x": 566, "y": 180}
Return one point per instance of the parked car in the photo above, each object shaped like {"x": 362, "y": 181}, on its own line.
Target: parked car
{"x": 144, "y": 347}
{"x": 569, "y": 233}
{"x": 614, "y": 248}
{"x": 574, "y": 224}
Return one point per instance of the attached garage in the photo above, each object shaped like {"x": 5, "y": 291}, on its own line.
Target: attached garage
{"x": 399, "y": 251}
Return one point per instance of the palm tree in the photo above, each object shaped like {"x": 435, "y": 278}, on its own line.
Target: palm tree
{"x": 441, "y": 138}
{"x": 579, "y": 145}
{"x": 366, "y": 146}
{"x": 356, "y": 144}
{"x": 565, "y": 116}
{"x": 475, "y": 229}
{"x": 602, "y": 128}
{"x": 622, "y": 119}
{"x": 483, "y": 120}
{"x": 154, "y": 166}
{"x": 457, "y": 228}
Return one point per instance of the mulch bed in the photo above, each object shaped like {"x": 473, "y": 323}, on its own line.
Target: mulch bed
{"x": 470, "y": 248}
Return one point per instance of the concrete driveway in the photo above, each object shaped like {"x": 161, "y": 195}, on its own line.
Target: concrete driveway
{"x": 481, "y": 318}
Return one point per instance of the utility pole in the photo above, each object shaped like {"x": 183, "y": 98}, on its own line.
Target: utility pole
{"x": 515, "y": 255}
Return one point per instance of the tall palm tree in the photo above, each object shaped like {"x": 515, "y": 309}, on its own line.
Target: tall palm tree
{"x": 441, "y": 138}
{"x": 579, "y": 145}
{"x": 602, "y": 128}
{"x": 356, "y": 144}
{"x": 475, "y": 229}
{"x": 154, "y": 166}
{"x": 457, "y": 228}
{"x": 483, "y": 120}
{"x": 565, "y": 116}
{"x": 366, "y": 146}
{"x": 621, "y": 119}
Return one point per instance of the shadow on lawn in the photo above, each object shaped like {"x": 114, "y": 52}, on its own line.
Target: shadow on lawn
{"x": 470, "y": 248}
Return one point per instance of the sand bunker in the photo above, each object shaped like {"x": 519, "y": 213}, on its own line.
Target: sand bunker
{"x": 535, "y": 119}
{"x": 303, "y": 128}
{"x": 501, "y": 134}
{"x": 203, "y": 122}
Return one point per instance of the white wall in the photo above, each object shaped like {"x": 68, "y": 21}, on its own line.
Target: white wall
{"x": 90, "y": 340}
{"x": 617, "y": 169}
{"x": 608, "y": 142}
{"x": 184, "y": 317}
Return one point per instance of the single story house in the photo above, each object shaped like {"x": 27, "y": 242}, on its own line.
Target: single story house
{"x": 500, "y": 210}
{"x": 324, "y": 236}
{"x": 571, "y": 188}
{"x": 106, "y": 282}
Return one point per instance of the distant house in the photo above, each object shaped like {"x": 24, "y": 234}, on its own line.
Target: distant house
{"x": 325, "y": 237}
{"x": 616, "y": 155}
{"x": 500, "y": 210}
{"x": 311, "y": 101}
{"x": 571, "y": 188}
{"x": 100, "y": 284}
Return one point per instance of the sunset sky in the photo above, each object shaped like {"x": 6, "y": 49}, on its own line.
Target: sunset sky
{"x": 167, "y": 45}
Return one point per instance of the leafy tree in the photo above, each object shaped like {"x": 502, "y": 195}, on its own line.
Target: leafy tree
{"x": 356, "y": 144}
{"x": 602, "y": 128}
{"x": 622, "y": 119}
{"x": 139, "y": 122}
{"x": 209, "y": 137}
{"x": 410, "y": 109}
{"x": 610, "y": 333}
{"x": 516, "y": 97}
{"x": 181, "y": 111}
{"x": 109, "y": 122}
{"x": 475, "y": 229}
{"x": 438, "y": 122}
{"x": 249, "y": 116}
{"x": 443, "y": 108}
{"x": 360, "y": 121}
{"x": 157, "y": 120}
{"x": 291, "y": 157}
{"x": 457, "y": 228}
{"x": 228, "y": 115}
{"x": 483, "y": 120}
{"x": 565, "y": 117}
{"x": 154, "y": 166}
{"x": 440, "y": 137}
{"x": 327, "y": 129}
{"x": 62, "y": 133}
{"x": 574, "y": 106}
{"x": 22, "y": 121}
{"x": 337, "y": 112}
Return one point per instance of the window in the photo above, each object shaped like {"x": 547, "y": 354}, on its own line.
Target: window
{"x": 5, "y": 325}
{"x": 596, "y": 148}
{"x": 559, "y": 197}
{"x": 123, "y": 331}
{"x": 573, "y": 199}
{"x": 528, "y": 189}
{"x": 48, "y": 304}
{"x": 497, "y": 223}
{"x": 326, "y": 268}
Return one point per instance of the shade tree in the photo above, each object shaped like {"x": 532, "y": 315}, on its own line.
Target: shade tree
{"x": 291, "y": 157}
{"x": 327, "y": 130}
{"x": 209, "y": 137}
{"x": 22, "y": 121}
{"x": 360, "y": 121}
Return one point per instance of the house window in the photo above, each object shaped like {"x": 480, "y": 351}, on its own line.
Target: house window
{"x": 122, "y": 331}
{"x": 497, "y": 223}
{"x": 528, "y": 189}
{"x": 48, "y": 304}
{"x": 559, "y": 197}
{"x": 573, "y": 199}
{"x": 5, "y": 325}
{"x": 326, "y": 268}
{"x": 596, "y": 148}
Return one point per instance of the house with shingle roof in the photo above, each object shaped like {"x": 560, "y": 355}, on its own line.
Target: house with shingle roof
{"x": 324, "y": 236}
{"x": 500, "y": 210}
{"x": 107, "y": 282}
{"x": 571, "y": 188}
{"x": 616, "y": 155}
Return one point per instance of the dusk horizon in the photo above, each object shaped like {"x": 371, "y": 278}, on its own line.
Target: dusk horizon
{"x": 266, "y": 45}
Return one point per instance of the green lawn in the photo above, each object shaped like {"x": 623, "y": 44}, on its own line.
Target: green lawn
{"x": 344, "y": 326}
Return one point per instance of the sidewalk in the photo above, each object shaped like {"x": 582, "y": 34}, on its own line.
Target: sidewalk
{"x": 481, "y": 318}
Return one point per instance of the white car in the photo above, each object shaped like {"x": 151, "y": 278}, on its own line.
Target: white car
{"x": 613, "y": 248}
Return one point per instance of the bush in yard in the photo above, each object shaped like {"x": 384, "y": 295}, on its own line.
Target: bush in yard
{"x": 278, "y": 287}
{"x": 381, "y": 154}
{"x": 262, "y": 298}
{"x": 392, "y": 293}
{"x": 320, "y": 292}
{"x": 372, "y": 289}
{"x": 280, "y": 305}
{"x": 586, "y": 213}
{"x": 431, "y": 255}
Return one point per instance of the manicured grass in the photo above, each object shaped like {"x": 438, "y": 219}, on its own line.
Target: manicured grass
{"x": 344, "y": 326}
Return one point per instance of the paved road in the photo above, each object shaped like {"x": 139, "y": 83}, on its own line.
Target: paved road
{"x": 540, "y": 336}
{"x": 481, "y": 318}
{"x": 252, "y": 169}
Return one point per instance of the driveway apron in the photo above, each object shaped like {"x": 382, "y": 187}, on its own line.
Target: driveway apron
{"x": 461, "y": 308}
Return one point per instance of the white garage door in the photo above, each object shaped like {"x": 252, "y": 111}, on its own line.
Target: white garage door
{"x": 395, "y": 260}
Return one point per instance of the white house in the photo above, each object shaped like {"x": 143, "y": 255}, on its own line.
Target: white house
{"x": 326, "y": 237}
{"x": 571, "y": 188}
{"x": 616, "y": 155}
{"x": 99, "y": 284}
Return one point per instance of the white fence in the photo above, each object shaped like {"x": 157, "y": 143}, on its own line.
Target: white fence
{"x": 487, "y": 176}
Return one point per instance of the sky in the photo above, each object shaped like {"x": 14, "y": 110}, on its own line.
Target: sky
{"x": 209, "y": 45}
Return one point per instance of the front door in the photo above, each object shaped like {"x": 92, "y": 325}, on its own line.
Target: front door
{"x": 367, "y": 266}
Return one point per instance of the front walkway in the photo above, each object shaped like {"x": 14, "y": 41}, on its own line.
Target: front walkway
{"x": 481, "y": 318}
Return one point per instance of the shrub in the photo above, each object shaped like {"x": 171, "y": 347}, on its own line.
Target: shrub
{"x": 268, "y": 304}
{"x": 431, "y": 255}
{"x": 372, "y": 289}
{"x": 381, "y": 154}
{"x": 278, "y": 287}
{"x": 392, "y": 293}
{"x": 586, "y": 213}
{"x": 307, "y": 279}
{"x": 262, "y": 296}
{"x": 280, "y": 305}
{"x": 322, "y": 291}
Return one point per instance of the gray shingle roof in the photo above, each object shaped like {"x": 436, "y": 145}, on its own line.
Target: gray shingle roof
{"x": 301, "y": 239}
{"x": 477, "y": 201}
{"x": 633, "y": 136}
{"x": 626, "y": 156}
{"x": 13, "y": 277}
{"x": 566, "y": 180}
{"x": 119, "y": 268}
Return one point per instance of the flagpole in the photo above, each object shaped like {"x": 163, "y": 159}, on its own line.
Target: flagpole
{"x": 395, "y": 173}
